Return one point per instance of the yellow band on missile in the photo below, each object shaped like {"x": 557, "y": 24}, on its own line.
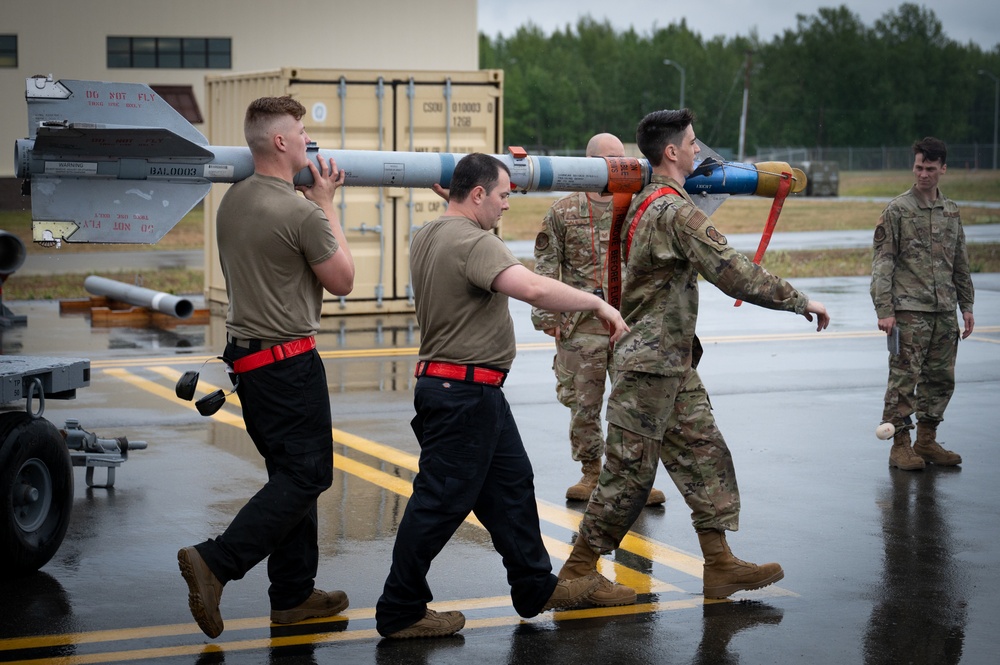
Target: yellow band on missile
{"x": 769, "y": 175}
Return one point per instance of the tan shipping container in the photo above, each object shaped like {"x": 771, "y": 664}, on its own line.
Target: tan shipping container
{"x": 419, "y": 111}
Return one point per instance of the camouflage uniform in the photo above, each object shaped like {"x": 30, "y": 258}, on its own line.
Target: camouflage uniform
{"x": 920, "y": 274}
{"x": 658, "y": 408}
{"x": 573, "y": 247}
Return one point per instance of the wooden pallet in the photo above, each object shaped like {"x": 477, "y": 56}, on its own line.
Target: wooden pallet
{"x": 108, "y": 313}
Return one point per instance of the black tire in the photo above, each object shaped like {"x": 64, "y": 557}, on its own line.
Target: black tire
{"x": 36, "y": 492}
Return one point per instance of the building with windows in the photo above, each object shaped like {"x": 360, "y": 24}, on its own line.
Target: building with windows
{"x": 172, "y": 46}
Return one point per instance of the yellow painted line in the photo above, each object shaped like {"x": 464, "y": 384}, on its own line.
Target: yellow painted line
{"x": 375, "y": 353}
{"x": 560, "y": 516}
{"x": 347, "y": 635}
{"x": 550, "y": 513}
{"x": 469, "y": 605}
{"x": 641, "y": 582}
{"x": 328, "y": 637}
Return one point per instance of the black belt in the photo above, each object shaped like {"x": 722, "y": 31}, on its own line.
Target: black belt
{"x": 250, "y": 344}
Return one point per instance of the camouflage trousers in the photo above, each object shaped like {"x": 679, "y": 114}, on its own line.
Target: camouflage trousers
{"x": 922, "y": 374}
{"x": 581, "y": 367}
{"x": 667, "y": 419}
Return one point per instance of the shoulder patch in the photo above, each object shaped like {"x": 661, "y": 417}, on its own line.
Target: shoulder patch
{"x": 695, "y": 219}
{"x": 715, "y": 236}
{"x": 879, "y": 233}
{"x": 542, "y": 241}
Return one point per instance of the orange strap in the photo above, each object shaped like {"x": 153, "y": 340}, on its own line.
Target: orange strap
{"x": 625, "y": 178}
{"x": 784, "y": 186}
{"x": 621, "y": 206}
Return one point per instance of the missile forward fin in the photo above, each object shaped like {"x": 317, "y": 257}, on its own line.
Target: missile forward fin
{"x": 707, "y": 203}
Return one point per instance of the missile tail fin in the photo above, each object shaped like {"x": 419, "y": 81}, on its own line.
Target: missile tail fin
{"x": 112, "y": 211}
{"x": 102, "y": 104}
{"x": 151, "y": 143}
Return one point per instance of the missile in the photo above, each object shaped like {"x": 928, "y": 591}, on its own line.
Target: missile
{"x": 114, "y": 163}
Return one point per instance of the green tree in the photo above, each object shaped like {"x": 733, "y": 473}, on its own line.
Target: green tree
{"x": 830, "y": 81}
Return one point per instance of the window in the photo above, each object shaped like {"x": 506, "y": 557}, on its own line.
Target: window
{"x": 8, "y": 51}
{"x": 181, "y": 97}
{"x": 169, "y": 52}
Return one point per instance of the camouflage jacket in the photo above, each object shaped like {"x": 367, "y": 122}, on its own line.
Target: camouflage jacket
{"x": 674, "y": 242}
{"x": 920, "y": 261}
{"x": 565, "y": 250}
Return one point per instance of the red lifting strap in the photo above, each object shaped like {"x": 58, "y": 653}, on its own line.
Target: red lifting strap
{"x": 621, "y": 204}
{"x": 772, "y": 219}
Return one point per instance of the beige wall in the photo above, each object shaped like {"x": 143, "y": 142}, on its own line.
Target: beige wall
{"x": 68, "y": 40}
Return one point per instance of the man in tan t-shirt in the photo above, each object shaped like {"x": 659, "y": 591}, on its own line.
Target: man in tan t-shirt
{"x": 279, "y": 251}
{"x": 471, "y": 455}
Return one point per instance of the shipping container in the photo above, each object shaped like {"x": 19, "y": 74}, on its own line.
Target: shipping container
{"x": 420, "y": 111}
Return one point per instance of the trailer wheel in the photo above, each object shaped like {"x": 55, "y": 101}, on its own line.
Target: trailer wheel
{"x": 36, "y": 492}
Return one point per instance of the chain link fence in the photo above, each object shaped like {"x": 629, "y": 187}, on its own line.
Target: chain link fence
{"x": 886, "y": 158}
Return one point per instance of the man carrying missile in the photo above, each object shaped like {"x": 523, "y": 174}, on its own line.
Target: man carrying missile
{"x": 279, "y": 251}
{"x": 658, "y": 409}
{"x": 471, "y": 455}
{"x": 573, "y": 248}
{"x": 920, "y": 275}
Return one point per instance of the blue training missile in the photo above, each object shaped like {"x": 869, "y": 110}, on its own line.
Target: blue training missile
{"x": 114, "y": 163}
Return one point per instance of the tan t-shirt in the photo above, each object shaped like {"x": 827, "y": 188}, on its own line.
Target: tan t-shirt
{"x": 454, "y": 262}
{"x": 269, "y": 237}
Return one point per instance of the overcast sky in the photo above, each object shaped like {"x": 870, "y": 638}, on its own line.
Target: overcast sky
{"x": 962, "y": 20}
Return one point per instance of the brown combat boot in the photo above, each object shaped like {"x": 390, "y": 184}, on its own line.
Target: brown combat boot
{"x": 318, "y": 604}
{"x": 570, "y": 593}
{"x": 725, "y": 574}
{"x": 583, "y": 489}
{"x": 655, "y": 498}
{"x": 930, "y": 450}
{"x": 901, "y": 454}
{"x": 433, "y": 624}
{"x": 204, "y": 591}
{"x": 582, "y": 562}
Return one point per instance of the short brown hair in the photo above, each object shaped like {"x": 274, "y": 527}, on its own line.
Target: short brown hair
{"x": 262, "y": 112}
{"x": 475, "y": 170}
{"x": 658, "y": 130}
{"x": 932, "y": 149}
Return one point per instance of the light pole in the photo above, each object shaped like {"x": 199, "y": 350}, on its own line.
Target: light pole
{"x": 681, "y": 70}
{"x": 746, "y": 104}
{"x": 996, "y": 111}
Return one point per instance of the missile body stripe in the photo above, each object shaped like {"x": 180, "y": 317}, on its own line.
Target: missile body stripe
{"x": 447, "y": 168}
{"x": 545, "y": 173}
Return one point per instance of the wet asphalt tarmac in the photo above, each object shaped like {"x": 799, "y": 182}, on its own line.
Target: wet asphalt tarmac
{"x": 881, "y": 565}
{"x": 50, "y": 261}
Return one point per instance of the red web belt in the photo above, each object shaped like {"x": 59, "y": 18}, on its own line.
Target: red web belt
{"x": 471, "y": 373}
{"x": 274, "y": 354}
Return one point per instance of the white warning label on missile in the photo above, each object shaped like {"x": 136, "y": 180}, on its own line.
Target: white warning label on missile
{"x": 393, "y": 174}
{"x": 71, "y": 168}
{"x": 214, "y": 171}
